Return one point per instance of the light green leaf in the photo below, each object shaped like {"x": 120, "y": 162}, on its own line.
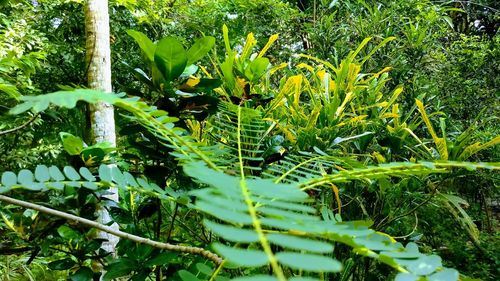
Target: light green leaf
{"x": 309, "y": 262}
{"x": 187, "y": 276}
{"x": 9, "y": 179}
{"x": 299, "y": 243}
{"x": 232, "y": 233}
{"x": 446, "y": 274}
{"x": 42, "y": 173}
{"x": 146, "y": 45}
{"x": 199, "y": 49}
{"x": 242, "y": 257}
{"x": 71, "y": 173}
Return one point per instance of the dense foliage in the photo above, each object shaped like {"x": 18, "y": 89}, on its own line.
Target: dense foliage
{"x": 257, "y": 140}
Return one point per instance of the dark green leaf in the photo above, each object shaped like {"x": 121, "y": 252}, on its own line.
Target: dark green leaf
{"x": 121, "y": 267}
{"x": 160, "y": 259}
{"x": 63, "y": 264}
{"x": 83, "y": 274}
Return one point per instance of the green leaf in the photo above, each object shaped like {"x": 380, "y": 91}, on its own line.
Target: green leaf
{"x": 242, "y": 257}
{"x": 256, "y": 278}
{"x": 105, "y": 173}
{"x": 424, "y": 265}
{"x": 187, "y": 276}
{"x": 83, "y": 274}
{"x": 71, "y": 173}
{"x": 73, "y": 145}
{"x": 232, "y": 233}
{"x": 9, "y": 179}
{"x": 56, "y": 174}
{"x": 42, "y": 173}
{"x": 199, "y": 49}
{"x": 256, "y": 69}
{"x": 67, "y": 233}
{"x": 160, "y": 259}
{"x": 446, "y": 274}
{"x": 121, "y": 267}
{"x": 309, "y": 262}
{"x": 146, "y": 45}
{"x": 63, "y": 264}
{"x": 204, "y": 269}
{"x": 25, "y": 177}
{"x": 406, "y": 277}
{"x": 170, "y": 58}
{"x": 299, "y": 243}
{"x": 86, "y": 174}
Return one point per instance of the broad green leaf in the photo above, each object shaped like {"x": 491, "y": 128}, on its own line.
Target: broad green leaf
{"x": 146, "y": 45}
{"x": 170, "y": 58}
{"x": 309, "y": 262}
{"x": 73, "y": 145}
{"x": 42, "y": 173}
{"x": 242, "y": 257}
{"x": 63, "y": 264}
{"x": 199, "y": 49}
{"x": 82, "y": 274}
{"x": 299, "y": 243}
{"x": 232, "y": 233}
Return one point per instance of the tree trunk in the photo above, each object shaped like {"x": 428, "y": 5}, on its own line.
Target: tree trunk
{"x": 102, "y": 122}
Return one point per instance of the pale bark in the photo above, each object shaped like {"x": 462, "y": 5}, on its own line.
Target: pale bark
{"x": 102, "y": 122}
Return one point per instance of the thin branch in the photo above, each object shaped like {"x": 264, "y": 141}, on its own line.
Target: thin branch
{"x": 20, "y": 127}
{"x": 166, "y": 246}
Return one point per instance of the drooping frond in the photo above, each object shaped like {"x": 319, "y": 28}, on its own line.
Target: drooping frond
{"x": 156, "y": 121}
{"x": 52, "y": 178}
{"x": 304, "y": 166}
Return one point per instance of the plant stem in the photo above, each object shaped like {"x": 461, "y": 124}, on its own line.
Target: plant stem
{"x": 166, "y": 246}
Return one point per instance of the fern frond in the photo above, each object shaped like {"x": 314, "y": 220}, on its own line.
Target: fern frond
{"x": 52, "y": 178}
{"x": 246, "y": 140}
{"x": 395, "y": 169}
{"x": 259, "y": 215}
{"x": 156, "y": 121}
